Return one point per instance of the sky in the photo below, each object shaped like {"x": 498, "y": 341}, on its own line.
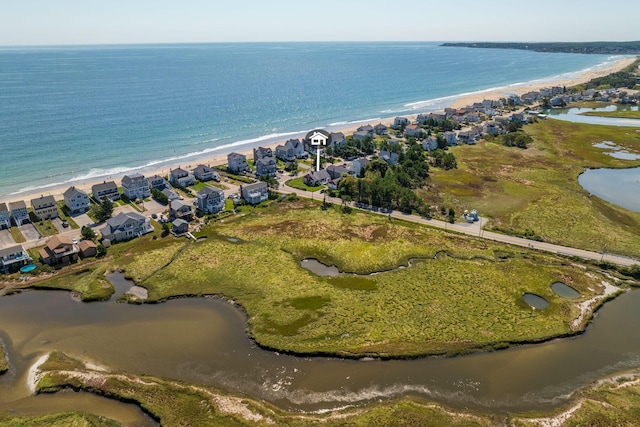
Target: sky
{"x": 78, "y": 22}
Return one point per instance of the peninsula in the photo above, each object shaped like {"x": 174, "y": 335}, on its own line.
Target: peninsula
{"x": 595, "y": 48}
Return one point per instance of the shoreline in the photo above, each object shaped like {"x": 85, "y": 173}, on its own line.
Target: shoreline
{"x": 246, "y": 147}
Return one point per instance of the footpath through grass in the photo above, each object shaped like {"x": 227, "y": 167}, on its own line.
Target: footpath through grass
{"x": 537, "y": 189}
{"x": 466, "y": 294}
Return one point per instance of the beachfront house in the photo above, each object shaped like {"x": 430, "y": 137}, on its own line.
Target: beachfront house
{"x": 255, "y": 193}
{"x": 361, "y": 135}
{"x": 13, "y": 257}
{"x": 317, "y": 138}
{"x": 400, "y": 123}
{"x": 336, "y": 139}
{"x": 237, "y": 163}
{"x": 320, "y": 177}
{"x": 135, "y": 186}
{"x": 19, "y": 212}
{"x": 181, "y": 178}
{"x": 44, "y": 207}
{"x": 210, "y": 200}
{"x": 108, "y": 189}
{"x": 5, "y": 216}
{"x": 261, "y": 153}
{"x": 180, "y": 209}
{"x": 76, "y": 200}
{"x": 266, "y": 166}
{"x": 125, "y": 226}
{"x": 380, "y": 129}
{"x": 286, "y": 152}
{"x": 157, "y": 182}
{"x": 205, "y": 173}
{"x": 59, "y": 250}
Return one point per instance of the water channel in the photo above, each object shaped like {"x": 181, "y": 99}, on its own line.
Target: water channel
{"x": 202, "y": 341}
{"x": 575, "y": 115}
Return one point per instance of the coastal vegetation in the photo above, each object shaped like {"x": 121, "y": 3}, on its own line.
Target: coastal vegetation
{"x": 4, "y": 366}
{"x": 537, "y": 189}
{"x": 598, "y": 48}
{"x": 621, "y": 114}
{"x": 609, "y": 402}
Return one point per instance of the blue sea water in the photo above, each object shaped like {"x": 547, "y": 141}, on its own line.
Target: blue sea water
{"x": 69, "y": 114}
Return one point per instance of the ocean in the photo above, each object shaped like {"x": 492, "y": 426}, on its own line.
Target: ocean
{"x": 71, "y": 114}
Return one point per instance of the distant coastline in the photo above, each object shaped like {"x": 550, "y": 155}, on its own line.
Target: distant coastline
{"x": 592, "y": 48}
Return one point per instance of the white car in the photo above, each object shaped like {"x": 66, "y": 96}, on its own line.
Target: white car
{"x": 74, "y": 241}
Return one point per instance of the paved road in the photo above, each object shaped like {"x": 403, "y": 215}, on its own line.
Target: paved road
{"x": 476, "y": 230}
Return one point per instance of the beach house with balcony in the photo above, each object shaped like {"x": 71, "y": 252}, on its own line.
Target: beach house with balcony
{"x": 157, "y": 182}
{"x": 125, "y": 226}
{"x": 5, "y": 216}
{"x": 400, "y": 123}
{"x": 13, "y": 257}
{"x": 180, "y": 209}
{"x": 266, "y": 166}
{"x": 19, "y": 212}
{"x": 44, "y": 207}
{"x": 76, "y": 200}
{"x": 255, "y": 193}
{"x": 237, "y": 163}
{"x": 59, "y": 250}
{"x": 108, "y": 189}
{"x": 205, "y": 173}
{"x": 210, "y": 200}
{"x": 181, "y": 178}
{"x": 135, "y": 186}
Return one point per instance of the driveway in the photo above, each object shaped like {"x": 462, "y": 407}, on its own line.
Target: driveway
{"x": 57, "y": 223}
{"x": 83, "y": 220}
{"x": 29, "y": 232}
{"x": 6, "y": 239}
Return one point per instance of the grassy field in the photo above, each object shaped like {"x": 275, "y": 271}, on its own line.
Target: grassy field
{"x": 173, "y": 403}
{"x": 300, "y": 185}
{"x": 537, "y": 188}
{"x": 89, "y": 282}
{"x": 628, "y": 114}
{"x": 437, "y": 306}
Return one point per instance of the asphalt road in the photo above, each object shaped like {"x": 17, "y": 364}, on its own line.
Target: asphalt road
{"x": 476, "y": 230}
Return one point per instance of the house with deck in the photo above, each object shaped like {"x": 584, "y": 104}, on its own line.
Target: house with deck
{"x": 59, "y": 250}
{"x": 400, "y": 123}
{"x": 44, "y": 207}
{"x": 255, "y": 193}
{"x": 210, "y": 200}
{"x": 320, "y": 177}
{"x": 135, "y": 186}
{"x": 205, "y": 173}
{"x": 262, "y": 152}
{"x": 237, "y": 163}
{"x": 13, "y": 257}
{"x": 381, "y": 129}
{"x": 19, "y": 212}
{"x": 126, "y": 226}
{"x": 286, "y": 152}
{"x": 181, "y": 178}
{"x": 157, "y": 182}
{"x": 5, "y": 216}
{"x": 180, "y": 209}
{"x": 108, "y": 189}
{"x": 266, "y": 166}
{"x": 76, "y": 200}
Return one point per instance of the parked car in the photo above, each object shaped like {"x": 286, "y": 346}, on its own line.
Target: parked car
{"x": 65, "y": 224}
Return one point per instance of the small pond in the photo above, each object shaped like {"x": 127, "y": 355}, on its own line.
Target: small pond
{"x": 564, "y": 291}
{"x": 535, "y": 301}
{"x": 318, "y": 268}
{"x": 615, "y": 151}
{"x": 618, "y": 186}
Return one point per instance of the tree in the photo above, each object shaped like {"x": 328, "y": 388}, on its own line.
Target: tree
{"x": 452, "y": 215}
{"x": 101, "y": 251}
{"x": 271, "y": 181}
{"x": 87, "y": 233}
{"x": 159, "y": 196}
{"x": 104, "y": 210}
{"x": 449, "y": 161}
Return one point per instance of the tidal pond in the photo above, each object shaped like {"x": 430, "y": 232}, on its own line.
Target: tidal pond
{"x": 203, "y": 341}
{"x": 564, "y": 291}
{"x": 575, "y": 115}
{"x": 535, "y": 301}
{"x": 618, "y": 186}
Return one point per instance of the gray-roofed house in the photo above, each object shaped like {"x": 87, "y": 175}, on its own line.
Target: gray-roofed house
{"x": 44, "y": 207}
{"x": 107, "y": 189}
{"x": 336, "y": 139}
{"x": 181, "y": 178}
{"x": 255, "y": 193}
{"x": 135, "y": 186}
{"x": 157, "y": 182}
{"x": 210, "y": 200}
{"x": 205, "y": 173}
{"x": 389, "y": 157}
{"x": 171, "y": 195}
{"x": 19, "y": 212}
{"x": 336, "y": 171}
{"x": 125, "y": 226}
{"x": 430, "y": 143}
{"x": 286, "y": 152}
{"x": 13, "y": 257}
{"x": 320, "y": 177}
{"x": 180, "y": 209}
{"x": 266, "y": 166}
{"x": 237, "y": 162}
{"x": 5, "y": 216}
{"x": 399, "y": 123}
{"x": 380, "y": 129}
{"x": 180, "y": 226}
{"x": 357, "y": 166}
{"x": 361, "y": 135}
{"x": 261, "y": 152}
{"x": 77, "y": 201}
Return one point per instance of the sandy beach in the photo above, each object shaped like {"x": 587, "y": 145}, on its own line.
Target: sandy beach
{"x": 457, "y": 102}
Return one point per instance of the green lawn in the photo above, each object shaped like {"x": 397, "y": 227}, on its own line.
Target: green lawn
{"x": 300, "y": 185}
{"x": 17, "y": 235}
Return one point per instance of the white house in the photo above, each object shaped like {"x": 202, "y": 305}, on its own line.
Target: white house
{"x": 255, "y": 193}
{"x": 181, "y": 178}
{"x": 19, "y": 212}
{"x": 76, "y": 200}
{"x": 357, "y": 166}
{"x": 210, "y": 200}
{"x": 237, "y": 162}
{"x": 431, "y": 143}
{"x": 125, "y": 226}
{"x": 13, "y": 257}
{"x": 451, "y": 138}
{"x": 108, "y": 189}
{"x": 205, "y": 173}
{"x": 399, "y": 123}
{"x": 135, "y": 186}
{"x": 157, "y": 182}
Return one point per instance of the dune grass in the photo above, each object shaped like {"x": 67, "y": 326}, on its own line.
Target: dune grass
{"x": 537, "y": 188}
{"x": 89, "y": 282}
